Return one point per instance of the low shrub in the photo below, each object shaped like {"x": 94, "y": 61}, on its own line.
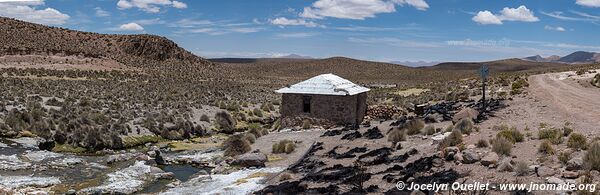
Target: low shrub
{"x": 225, "y": 121}
{"x": 251, "y": 138}
{"x": 502, "y": 146}
{"x": 204, "y": 118}
{"x": 414, "y": 126}
{"x": 465, "y": 126}
{"x": 564, "y": 157}
{"x": 454, "y": 139}
{"x": 482, "y": 143}
{"x": 428, "y": 130}
{"x": 284, "y": 146}
{"x": 256, "y": 129}
{"x": 522, "y": 168}
{"x": 546, "y": 148}
{"x": 306, "y": 124}
{"x": 577, "y": 141}
{"x": 592, "y": 157}
{"x": 513, "y": 135}
{"x": 567, "y": 131}
{"x": 449, "y": 128}
{"x": 285, "y": 177}
{"x": 236, "y": 145}
{"x": 396, "y": 135}
{"x": 553, "y": 135}
{"x": 258, "y": 112}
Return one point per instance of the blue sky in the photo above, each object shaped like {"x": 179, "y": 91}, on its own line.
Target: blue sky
{"x": 382, "y": 30}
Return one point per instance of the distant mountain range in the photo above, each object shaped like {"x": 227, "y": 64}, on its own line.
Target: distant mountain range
{"x": 578, "y": 57}
{"x": 415, "y": 63}
{"x": 296, "y": 56}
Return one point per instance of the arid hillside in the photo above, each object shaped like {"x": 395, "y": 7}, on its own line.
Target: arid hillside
{"x": 144, "y": 51}
{"x": 366, "y": 72}
{"x": 506, "y": 65}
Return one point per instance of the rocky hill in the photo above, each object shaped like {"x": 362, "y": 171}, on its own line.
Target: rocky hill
{"x": 581, "y": 57}
{"x": 143, "y": 51}
{"x": 578, "y": 57}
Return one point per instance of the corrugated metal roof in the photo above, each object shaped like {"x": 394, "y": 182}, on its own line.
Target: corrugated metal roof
{"x": 325, "y": 84}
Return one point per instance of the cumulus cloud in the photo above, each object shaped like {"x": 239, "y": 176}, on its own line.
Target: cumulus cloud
{"x": 150, "y": 6}
{"x": 419, "y": 4}
{"x": 179, "y": 5}
{"x": 557, "y": 28}
{"x": 282, "y": 21}
{"x": 520, "y": 13}
{"x": 588, "y": 3}
{"x": 28, "y": 11}
{"x": 132, "y": 26}
{"x": 486, "y": 17}
{"x": 356, "y": 9}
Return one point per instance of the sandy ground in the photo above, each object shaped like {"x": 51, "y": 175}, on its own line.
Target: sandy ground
{"x": 304, "y": 139}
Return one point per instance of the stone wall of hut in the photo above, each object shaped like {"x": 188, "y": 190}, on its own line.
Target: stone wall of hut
{"x": 337, "y": 109}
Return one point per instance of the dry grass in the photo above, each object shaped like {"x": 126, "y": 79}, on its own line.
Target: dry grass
{"x": 502, "y": 146}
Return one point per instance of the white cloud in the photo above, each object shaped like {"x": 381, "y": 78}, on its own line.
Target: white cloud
{"x": 131, "y": 27}
{"x": 150, "y": 6}
{"x": 520, "y": 13}
{"x": 486, "y": 17}
{"x": 246, "y": 29}
{"x": 588, "y": 3}
{"x": 296, "y": 35}
{"x": 419, "y": 4}
{"x": 282, "y": 21}
{"x": 557, "y": 28}
{"x": 27, "y": 11}
{"x": 179, "y": 5}
{"x": 356, "y": 9}
{"x": 101, "y": 13}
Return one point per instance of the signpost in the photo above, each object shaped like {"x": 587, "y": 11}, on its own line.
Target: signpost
{"x": 484, "y": 71}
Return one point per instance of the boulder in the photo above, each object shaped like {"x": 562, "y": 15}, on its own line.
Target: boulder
{"x": 490, "y": 159}
{"x": 469, "y": 113}
{"x": 575, "y": 164}
{"x": 545, "y": 171}
{"x": 554, "y": 180}
{"x": 458, "y": 157}
{"x": 570, "y": 174}
{"x": 251, "y": 160}
{"x": 439, "y": 138}
{"x": 505, "y": 165}
{"x": 119, "y": 158}
{"x": 158, "y": 158}
{"x": 450, "y": 152}
{"x": 470, "y": 157}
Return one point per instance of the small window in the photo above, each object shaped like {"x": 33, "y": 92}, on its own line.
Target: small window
{"x": 306, "y": 104}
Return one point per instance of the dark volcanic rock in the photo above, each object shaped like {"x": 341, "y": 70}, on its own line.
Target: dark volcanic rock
{"x": 375, "y": 157}
{"x": 351, "y": 136}
{"x": 373, "y": 133}
{"x": 349, "y": 154}
{"x": 332, "y": 133}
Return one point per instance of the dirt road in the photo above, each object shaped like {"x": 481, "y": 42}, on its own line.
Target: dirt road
{"x": 564, "y": 92}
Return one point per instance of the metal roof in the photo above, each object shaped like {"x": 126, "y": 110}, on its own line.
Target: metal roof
{"x": 325, "y": 84}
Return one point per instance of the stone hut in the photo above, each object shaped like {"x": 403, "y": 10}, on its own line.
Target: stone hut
{"x": 326, "y": 96}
